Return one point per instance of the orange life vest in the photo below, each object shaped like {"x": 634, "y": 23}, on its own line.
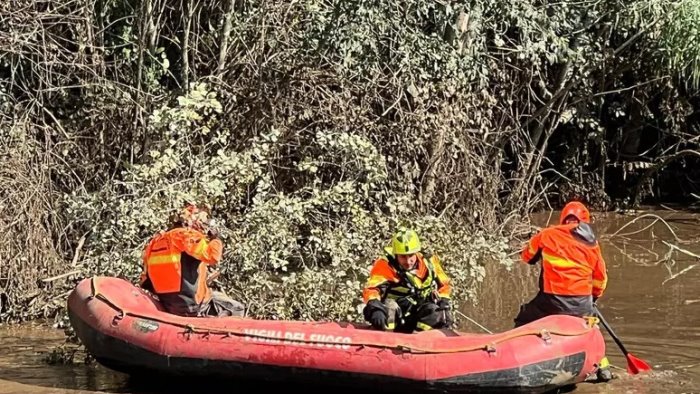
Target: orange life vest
{"x": 162, "y": 262}
{"x": 163, "y": 265}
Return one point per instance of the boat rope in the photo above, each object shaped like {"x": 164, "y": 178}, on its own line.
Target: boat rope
{"x": 227, "y": 332}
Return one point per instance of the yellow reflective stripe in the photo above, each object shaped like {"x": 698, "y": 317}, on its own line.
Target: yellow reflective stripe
{"x": 423, "y": 327}
{"x": 163, "y": 259}
{"x": 375, "y": 280}
{"x": 415, "y": 281}
{"x": 391, "y": 326}
{"x": 398, "y": 291}
{"x": 201, "y": 247}
{"x": 563, "y": 263}
{"x": 600, "y": 283}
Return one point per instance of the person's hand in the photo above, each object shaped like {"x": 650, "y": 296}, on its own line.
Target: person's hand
{"x": 449, "y": 322}
{"x": 376, "y": 314}
{"x": 213, "y": 233}
{"x": 378, "y": 319}
{"x": 445, "y": 306}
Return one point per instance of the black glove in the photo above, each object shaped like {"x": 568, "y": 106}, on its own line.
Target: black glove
{"x": 536, "y": 257}
{"x": 595, "y": 299}
{"x": 444, "y": 305}
{"x": 375, "y": 312}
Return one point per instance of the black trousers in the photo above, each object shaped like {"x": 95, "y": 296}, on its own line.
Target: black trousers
{"x": 549, "y": 304}
{"x": 406, "y": 317}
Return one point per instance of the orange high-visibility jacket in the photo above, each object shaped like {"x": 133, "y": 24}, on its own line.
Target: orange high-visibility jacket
{"x": 388, "y": 280}
{"x": 571, "y": 265}
{"x": 162, "y": 262}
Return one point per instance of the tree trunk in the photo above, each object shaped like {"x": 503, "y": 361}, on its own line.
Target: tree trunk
{"x": 225, "y": 37}
{"x": 429, "y": 178}
{"x": 188, "y": 12}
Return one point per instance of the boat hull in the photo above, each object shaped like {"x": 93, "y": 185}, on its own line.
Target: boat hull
{"x": 125, "y": 329}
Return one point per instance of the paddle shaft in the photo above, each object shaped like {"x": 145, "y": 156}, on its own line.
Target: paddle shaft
{"x": 610, "y": 331}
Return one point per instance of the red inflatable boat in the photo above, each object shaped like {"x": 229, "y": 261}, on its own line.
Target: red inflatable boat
{"x": 126, "y": 330}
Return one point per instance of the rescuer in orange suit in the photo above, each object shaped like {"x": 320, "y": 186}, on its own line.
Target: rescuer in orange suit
{"x": 573, "y": 273}
{"x": 175, "y": 267}
{"x": 407, "y": 289}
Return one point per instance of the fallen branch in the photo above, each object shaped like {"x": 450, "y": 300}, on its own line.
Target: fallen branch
{"x": 78, "y": 248}
{"x": 57, "y": 277}
{"x": 683, "y": 271}
{"x": 638, "y": 231}
{"x": 658, "y": 218}
{"x": 62, "y": 295}
{"x": 686, "y": 252}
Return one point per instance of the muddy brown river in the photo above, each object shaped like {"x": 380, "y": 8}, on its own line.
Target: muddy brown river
{"x": 652, "y": 302}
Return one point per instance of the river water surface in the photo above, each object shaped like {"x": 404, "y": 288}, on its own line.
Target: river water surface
{"x": 652, "y": 302}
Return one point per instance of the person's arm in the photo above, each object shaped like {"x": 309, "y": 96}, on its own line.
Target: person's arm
{"x": 379, "y": 278}
{"x": 196, "y": 245}
{"x": 600, "y": 275}
{"x": 444, "y": 283}
{"x": 532, "y": 252}
{"x": 144, "y": 280}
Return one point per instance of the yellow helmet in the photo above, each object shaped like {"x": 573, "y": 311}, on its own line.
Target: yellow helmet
{"x": 405, "y": 241}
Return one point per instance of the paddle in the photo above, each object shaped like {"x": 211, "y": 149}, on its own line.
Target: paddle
{"x": 634, "y": 364}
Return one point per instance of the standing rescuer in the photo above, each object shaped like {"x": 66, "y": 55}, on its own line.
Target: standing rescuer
{"x": 407, "y": 290}
{"x": 573, "y": 273}
{"x": 175, "y": 267}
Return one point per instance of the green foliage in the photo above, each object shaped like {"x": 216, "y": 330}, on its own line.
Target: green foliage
{"x": 314, "y": 244}
{"x": 680, "y": 39}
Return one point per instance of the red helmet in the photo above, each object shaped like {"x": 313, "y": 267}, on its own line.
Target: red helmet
{"x": 577, "y": 210}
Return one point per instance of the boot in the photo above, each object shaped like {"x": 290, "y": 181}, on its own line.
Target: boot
{"x": 604, "y": 374}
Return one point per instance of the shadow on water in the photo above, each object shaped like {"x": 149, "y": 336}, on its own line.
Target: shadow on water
{"x": 652, "y": 303}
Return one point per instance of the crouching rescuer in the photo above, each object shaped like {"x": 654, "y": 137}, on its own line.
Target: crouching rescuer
{"x": 175, "y": 267}
{"x": 407, "y": 289}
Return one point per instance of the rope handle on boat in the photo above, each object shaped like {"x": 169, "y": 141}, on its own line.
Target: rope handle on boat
{"x": 190, "y": 329}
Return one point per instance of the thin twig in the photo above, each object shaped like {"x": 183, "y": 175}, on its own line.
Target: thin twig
{"x": 57, "y": 277}
{"x": 686, "y": 252}
{"x": 475, "y": 322}
{"x": 683, "y": 271}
